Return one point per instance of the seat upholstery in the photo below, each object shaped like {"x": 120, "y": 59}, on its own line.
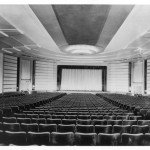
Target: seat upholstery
{"x": 9, "y": 119}
{"x": 68, "y": 121}
{"x": 84, "y": 122}
{"x": 114, "y": 122}
{"x": 105, "y": 139}
{"x": 85, "y": 139}
{"x": 103, "y": 129}
{"x": 38, "y": 138}
{"x": 139, "y": 129}
{"x": 53, "y": 121}
{"x": 85, "y": 128}
{"x": 17, "y": 138}
{"x": 121, "y": 129}
{"x": 99, "y": 122}
{"x": 23, "y": 120}
{"x": 132, "y": 139}
{"x": 59, "y": 139}
{"x": 65, "y": 128}
{"x": 38, "y": 120}
{"x": 144, "y": 122}
{"x": 47, "y": 127}
{"x": 33, "y": 127}
{"x": 129, "y": 122}
{"x": 11, "y": 126}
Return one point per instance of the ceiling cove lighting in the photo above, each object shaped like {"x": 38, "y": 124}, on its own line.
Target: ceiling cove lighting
{"x": 16, "y": 49}
{"x": 82, "y": 49}
{"x": 4, "y": 34}
{"x": 6, "y": 51}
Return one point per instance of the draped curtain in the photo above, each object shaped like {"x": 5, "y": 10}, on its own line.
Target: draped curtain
{"x": 81, "y": 79}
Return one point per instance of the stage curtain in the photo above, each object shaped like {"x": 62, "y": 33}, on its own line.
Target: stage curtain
{"x": 81, "y": 79}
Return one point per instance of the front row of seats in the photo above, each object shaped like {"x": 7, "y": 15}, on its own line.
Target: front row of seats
{"x": 70, "y": 138}
{"x": 34, "y": 127}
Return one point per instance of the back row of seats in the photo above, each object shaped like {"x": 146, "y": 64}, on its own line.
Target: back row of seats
{"x": 70, "y": 138}
{"x": 34, "y": 127}
{"x": 97, "y": 121}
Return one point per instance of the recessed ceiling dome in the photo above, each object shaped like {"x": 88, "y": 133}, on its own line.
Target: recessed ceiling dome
{"x": 82, "y": 49}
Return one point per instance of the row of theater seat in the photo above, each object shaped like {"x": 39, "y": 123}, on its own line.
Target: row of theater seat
{"x": 70, "y": 138}
{"x": 34, "y": 127}
{"x": 74, "y": 121}
{"x": 114, "y": 117}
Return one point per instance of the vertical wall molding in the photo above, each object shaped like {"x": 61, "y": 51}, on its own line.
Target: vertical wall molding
{"x": 9, "y": 73}
{"x": 118, "y": 77}
{"x": 45, "y": 76}
{"x": 1, "y": 72}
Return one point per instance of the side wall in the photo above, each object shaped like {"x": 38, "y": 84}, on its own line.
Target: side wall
{"x": 9, "y": 73}
{"x": 1, "y": 72}
{"x": 45, "y": 76}
{"x": 118, "y": 77}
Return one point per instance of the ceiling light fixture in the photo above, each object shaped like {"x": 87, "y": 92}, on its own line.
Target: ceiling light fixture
{"x": 6, "y": 51}
{"x": 16, "y": 49}
{"x": 4, "y": 34}
{"x": 27, "y": 47}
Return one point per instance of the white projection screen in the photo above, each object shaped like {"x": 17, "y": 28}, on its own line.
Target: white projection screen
{"x": 81, "y": 79}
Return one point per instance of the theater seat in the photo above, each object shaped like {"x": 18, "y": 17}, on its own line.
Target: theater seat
{"x": 16, "y": 138}
{"x": 47, "y": 127}
{"x": 68, "y": 121}
{"x": 23, "y": 120}
{"x": 44, "y": 116}
{"x": 100, "y": 117}
{"x": 20, "y": 115}
{"x": 65, "y": 128}
{"x": 11, "y": 126}
{"x": 85, "y": 128}
{"x": 53, "y": 121}
{"x": 121, "y": 129}
{"x": 33, "y": 127}
{"x": 132, "y": 139}
{"x": 59, "y": 139}
{"x": 109, "y": 139}
{"x": 38, "y": 120}
{"x": 114, "y": 122}
{"x": 32, "y": 115}
{"x": 85, "y": 139}
{"x": 129, "y": 122}
{"x": 2, "y": 139}
{"x": 139, "y": 129}
{"x": 84, "y": 117}
{"x": 135, "y": 117}
{"x": 70, "y": 116}
{"x": 121, "y": 117}
{"x": 112, "y": 117}
{"x": 58, "y": 117}
{"x": 84, "y": 122}
{"x": 9, "y": 119}
{"x": 103, "y": 129}
{"x": 99, "y": 122}
{"x": 146, "y": 139}
{"x": 144, "y": 122}
{"x": 38, "y": 138}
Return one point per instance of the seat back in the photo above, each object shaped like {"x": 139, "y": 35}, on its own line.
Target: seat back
{"x": 9, "y": 119}
{"x": 23, "y": 120}
{"x": 99, "y": 122}
{"x": 114, "y": 122}
{"x": 53, "y": 121}
{"x": 132, "y": 139}
{"x": 59, "y": 139}
{"x": 129, "y": 122}
{"x": 86, "y": 139}
{"x": 47, "y": 127}
{"x": 65, "y": 128}
{"x": 68, "y": 121}
{"x": 11, "y": 126}
{"x": 121, "y": 129}
{"x": 103, "y": 129}
{"x": 38, "y": 138}
{"x": 139, "y": 129}
{"x": 33, "y": 127}
{"x": 109, "y": 139}
{"x": 85, "y": 128}
{"x": 16, "y": 138}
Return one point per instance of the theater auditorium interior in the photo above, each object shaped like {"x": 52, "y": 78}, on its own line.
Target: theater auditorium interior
{"x": 74, "y": 75}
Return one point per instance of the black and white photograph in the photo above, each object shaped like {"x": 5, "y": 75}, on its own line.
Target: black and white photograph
{"x": 74, "y": 75}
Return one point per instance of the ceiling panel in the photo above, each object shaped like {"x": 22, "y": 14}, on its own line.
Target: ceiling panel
{"x": 46, "y": 15}
{"x": 23, "y": 39}
{"x": 10, "y": 41}
{"x": 116, "y": 16}
{"x": 4, "y": 45}
{"x": 5, "y": 24}
{"x": 81, "y": 24}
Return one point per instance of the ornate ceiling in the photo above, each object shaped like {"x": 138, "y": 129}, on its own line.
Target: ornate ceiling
{"x": 76, "y": 33}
